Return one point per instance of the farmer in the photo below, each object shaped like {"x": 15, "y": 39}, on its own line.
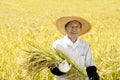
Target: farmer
{"x": 76, "y": 49}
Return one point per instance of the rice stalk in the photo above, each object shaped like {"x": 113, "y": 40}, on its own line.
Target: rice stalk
{"x": 42, "y": 59}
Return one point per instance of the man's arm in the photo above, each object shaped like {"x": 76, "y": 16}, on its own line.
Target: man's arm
{"x": 91, "y": 68}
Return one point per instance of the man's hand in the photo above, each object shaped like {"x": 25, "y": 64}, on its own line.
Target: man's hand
{"x": 92, "y": 73}
{"x": 64, "y": 66}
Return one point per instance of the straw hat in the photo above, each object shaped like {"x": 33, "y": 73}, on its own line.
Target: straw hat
{"x": 60, "y": 23}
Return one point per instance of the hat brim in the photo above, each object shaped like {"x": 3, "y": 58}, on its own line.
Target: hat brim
{"x": 61, "y": 22}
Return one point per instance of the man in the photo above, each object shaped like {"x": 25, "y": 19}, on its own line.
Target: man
{"x": 76, "y": 49}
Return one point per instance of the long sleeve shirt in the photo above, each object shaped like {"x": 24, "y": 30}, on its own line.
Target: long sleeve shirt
{"x": 79, "y": 52}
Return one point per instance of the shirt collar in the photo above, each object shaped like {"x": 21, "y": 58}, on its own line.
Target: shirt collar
{"x": 70, "y": 43}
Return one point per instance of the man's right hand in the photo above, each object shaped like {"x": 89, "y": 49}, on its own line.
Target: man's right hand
{"x": 64, "y": 66}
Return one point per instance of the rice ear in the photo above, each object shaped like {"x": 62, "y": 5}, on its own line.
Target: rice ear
{"x": 44, "y": 58}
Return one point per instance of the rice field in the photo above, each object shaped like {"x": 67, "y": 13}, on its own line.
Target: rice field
{"x": 24, "y": 22}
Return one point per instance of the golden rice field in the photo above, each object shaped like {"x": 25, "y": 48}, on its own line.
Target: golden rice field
{"x": 24, "y": 21}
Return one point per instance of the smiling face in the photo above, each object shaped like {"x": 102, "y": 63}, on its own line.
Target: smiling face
{"x": 73, "y": 28}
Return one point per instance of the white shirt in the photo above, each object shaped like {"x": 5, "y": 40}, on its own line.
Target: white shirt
{"x": 79, "y": 52}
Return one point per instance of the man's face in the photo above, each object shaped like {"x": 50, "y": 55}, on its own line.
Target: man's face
{"x": 73, "y": 28}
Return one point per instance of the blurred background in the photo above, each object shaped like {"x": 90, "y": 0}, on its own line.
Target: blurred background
{"x": 25, "y": 21}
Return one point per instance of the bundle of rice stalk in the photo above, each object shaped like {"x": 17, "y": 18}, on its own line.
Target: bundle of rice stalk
{"x": 39, "y": 60}
{"x": 43, "y": 58}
